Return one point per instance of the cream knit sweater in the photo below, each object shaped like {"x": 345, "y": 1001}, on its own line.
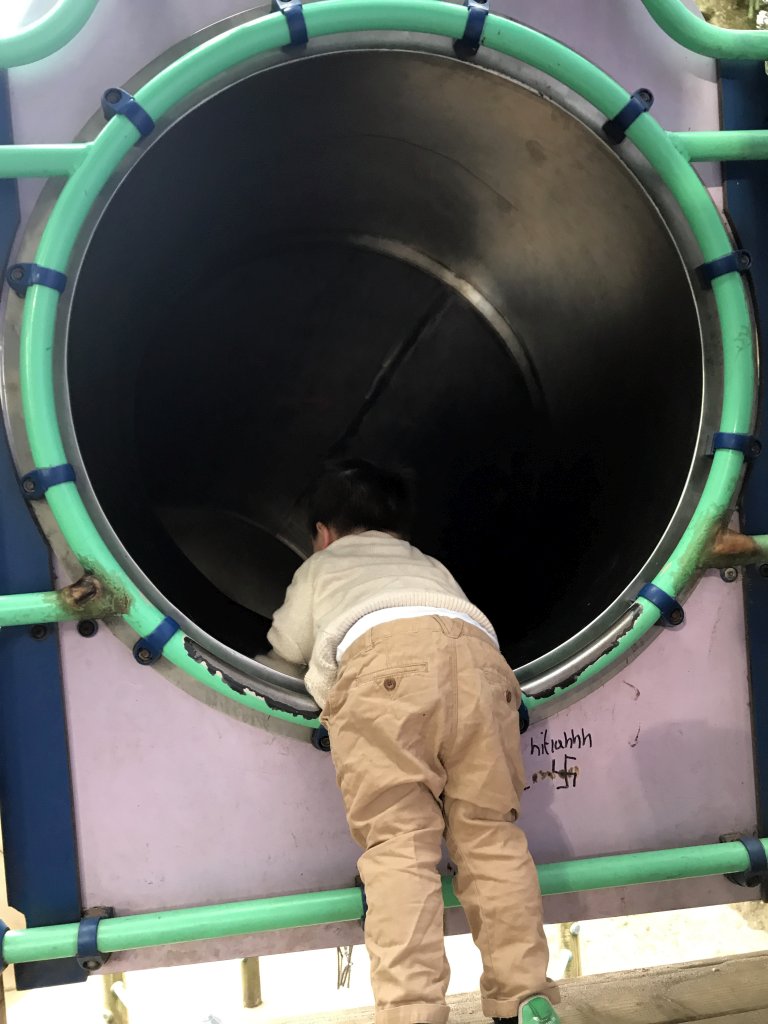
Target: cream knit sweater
{"x": 357, "y": 574}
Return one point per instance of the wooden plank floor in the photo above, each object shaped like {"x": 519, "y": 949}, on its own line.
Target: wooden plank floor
{"x": 725, "y": 991}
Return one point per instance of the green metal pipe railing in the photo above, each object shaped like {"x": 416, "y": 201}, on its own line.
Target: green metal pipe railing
{"x": 735, "y": 145}
{"x": 167, "y": 927}
{"x": 88, "y": 598}
{"x": 692, "y": 32}
{"x": 33, "y": 609}
{"x": 53, "y": 161}
{"x": 41, "y": 161}
{"x": 62, "y": 23}
{"x": 46, "y": 35}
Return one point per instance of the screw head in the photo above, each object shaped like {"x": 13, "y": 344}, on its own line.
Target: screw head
{"x": 729, "y": 575}
{"x": 112, "y": 95}
{"x": 755, "y": 448}
{"x": 645, "y": 95}
{"x": 90, "y": 965}
{"x": 28, "y": 486}
{"x": 17, "y": 274}
{"x": 87, "y": 627}
{"x": 144, "y": 654}
{"x": 38, "y": 631}
{"x": 676, "y": 616}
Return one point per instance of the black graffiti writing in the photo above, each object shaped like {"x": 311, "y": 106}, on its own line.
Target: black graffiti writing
{"x": 544, "y": 744}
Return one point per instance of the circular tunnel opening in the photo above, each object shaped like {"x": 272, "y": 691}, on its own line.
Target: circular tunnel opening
{"x": 393, "y": 254}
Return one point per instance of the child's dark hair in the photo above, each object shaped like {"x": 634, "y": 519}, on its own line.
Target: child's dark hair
{"x": 355, "y": 495}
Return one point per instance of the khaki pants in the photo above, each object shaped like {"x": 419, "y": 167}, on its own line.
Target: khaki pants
{"x": 425, "y": 740}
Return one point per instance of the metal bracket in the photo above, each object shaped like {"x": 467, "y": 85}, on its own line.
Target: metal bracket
{"x": 361, "y": 887}
{"x": 672, "y": 613}
{"x": 89, "y": 956}
{"x": 524, "y": 717}
{"x": 148, "y": 649}
{"x": 23, "y": 275}
{"x": 469, "y": 44}
{"x": 757, "y": 871}
{"x": 749, "y": 445}
{"x": 293, "y": 11}
{"x": 738, "y": 261}
{"x": 35, "y": 483}
{"x": 118, "y": 101}
{"x": 640, "y": 102}
{"x": 321, "y": 740}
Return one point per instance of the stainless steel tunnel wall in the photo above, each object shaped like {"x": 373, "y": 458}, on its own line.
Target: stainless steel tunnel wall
{"x": 385, "y": 251}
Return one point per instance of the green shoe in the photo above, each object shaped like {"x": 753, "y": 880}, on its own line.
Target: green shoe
{"x": 537, "y": 1010}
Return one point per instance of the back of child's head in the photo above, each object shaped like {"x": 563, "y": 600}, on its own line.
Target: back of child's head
{"x": 354, "y": 495}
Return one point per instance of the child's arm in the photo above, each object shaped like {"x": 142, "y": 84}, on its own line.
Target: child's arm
{"x": 292, "y": 635}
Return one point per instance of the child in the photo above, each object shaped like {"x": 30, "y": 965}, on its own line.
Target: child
{"x": 421, "y": 709}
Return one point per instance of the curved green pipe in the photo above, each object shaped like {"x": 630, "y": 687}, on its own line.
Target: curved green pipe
{"x": 692, "y": 32}
{"x": 221, "y": 53}
{"x": 166, "y": 927}
{"x": 46, "y": 35}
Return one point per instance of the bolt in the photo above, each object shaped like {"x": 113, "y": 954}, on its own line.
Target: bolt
{"x": 144, "y": 654}
{"x": 763, "y": 569}
{"x": 729, "y": 575}
{"x": 325, "y": 743}
{"x": 676, "y": 616}
{"x": 17, "y": 274}
{"x": 84, "y": 590}
{"x": 87, "y": 627}
{"x": 645, "y": 95}
{"x": 754, "y": 449}
{"x": 29, "y": 486}
{"x": 39, "y": 632}
{"x": 745, "y": 260}
{"x": 90, "y": 965}
{"x": 112, "y": 95}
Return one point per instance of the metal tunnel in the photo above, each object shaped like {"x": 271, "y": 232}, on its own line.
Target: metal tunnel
{"x": 382, "y": 250}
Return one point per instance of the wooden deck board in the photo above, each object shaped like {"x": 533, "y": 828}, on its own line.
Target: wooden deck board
{"x": 723, "y": 991}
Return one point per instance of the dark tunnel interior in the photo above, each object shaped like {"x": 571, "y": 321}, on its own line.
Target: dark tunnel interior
{"x": 312, "y": 264}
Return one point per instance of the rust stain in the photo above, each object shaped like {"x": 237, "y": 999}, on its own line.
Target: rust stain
{"x": 90, "y": 598}
{"x": 729, "y": 547}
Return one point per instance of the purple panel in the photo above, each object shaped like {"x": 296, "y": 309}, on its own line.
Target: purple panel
{"x": 179, "y": 804}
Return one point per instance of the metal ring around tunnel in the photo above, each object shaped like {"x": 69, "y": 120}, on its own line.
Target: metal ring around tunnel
{"x": 176, "y": 85}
